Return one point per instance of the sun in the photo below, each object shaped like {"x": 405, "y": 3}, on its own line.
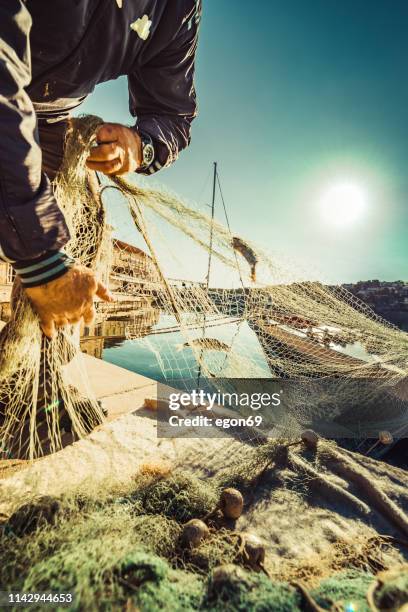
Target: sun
{"x": 343, "y": 204}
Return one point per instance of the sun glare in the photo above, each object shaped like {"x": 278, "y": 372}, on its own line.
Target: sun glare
{"x": 343, "y": 204}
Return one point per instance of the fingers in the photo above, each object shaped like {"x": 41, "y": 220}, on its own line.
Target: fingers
{"x": 108, "y": 156}
{"x": 74, "y": 319}
{"x": 118, "y": 150}
{"x": 60, "y": 321}
{"x": 89, "y": 314}
{"x": 48, "y": 327}
{"x": 70, "y": 300}
{"x": 105, "y": 152}
{"x": 50, "y": 324}
{"x": 110, "y": 167}
{"x": 107, "y": 133}
{"x": 103, "y": 293}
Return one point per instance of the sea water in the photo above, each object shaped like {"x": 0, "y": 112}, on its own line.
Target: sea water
{"x": 164, "y": 356}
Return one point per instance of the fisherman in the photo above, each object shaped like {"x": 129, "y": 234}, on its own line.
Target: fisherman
{"x": 52, "y": 55}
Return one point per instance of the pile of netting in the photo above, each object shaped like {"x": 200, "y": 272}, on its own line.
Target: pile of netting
{"x": 170, "y": 542}
{"x": 269, "y": 321}
{"x": 41, "y": 398}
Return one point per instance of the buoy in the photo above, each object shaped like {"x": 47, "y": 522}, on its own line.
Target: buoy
{"x": 227, "y": 573}
{"x": 310, "y": 438}
{"x": 254, "y": 549}
{"x": 154, "y": 404}
{"x": 385, "y": 437}
{"x": 231, "y": 503}
{"x": 194, "y": 532}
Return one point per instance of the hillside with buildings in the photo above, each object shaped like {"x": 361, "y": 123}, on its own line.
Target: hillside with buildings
{"x": 133, "y": 276}
{"x": 389, "y": 299}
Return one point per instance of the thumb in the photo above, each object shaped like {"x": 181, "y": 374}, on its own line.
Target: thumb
{"x": 48, "y": 327}
{"x": 103, "y": 293}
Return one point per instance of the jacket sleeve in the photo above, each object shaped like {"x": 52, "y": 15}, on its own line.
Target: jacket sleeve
{"x": 162, "y": 92}
{"x": 31, "y": 224}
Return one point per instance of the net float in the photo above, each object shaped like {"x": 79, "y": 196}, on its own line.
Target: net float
{"x": 385, "y": 437}
{"x": 194, "y": 532}
{"x": 231, "y": 503}
{"x": 254, "y": 549}
{"x": 310, "y": 438}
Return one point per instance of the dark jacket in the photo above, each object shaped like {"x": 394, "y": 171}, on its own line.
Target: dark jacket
{"x": 52, "y": 54}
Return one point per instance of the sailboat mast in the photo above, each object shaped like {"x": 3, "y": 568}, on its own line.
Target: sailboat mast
{"x": 212, "y": 226}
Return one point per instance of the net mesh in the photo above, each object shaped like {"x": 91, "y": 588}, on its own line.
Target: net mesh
{"x": 262, "y": 318}
{"x": 45, "y": 399}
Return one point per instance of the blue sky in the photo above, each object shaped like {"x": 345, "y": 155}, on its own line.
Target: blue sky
{"x": 296, "y": 96}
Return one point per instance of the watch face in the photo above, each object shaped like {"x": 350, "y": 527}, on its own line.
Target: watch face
{"x": 148, "y": 154}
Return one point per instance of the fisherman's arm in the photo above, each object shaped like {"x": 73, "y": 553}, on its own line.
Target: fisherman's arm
{"x": 32, "y": 227}
{"x": 162, "y": 96}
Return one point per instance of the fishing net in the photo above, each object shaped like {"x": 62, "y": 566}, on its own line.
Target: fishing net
{"x": 252, "y": 317}
{"x": 88, "y": 552}
{"x": 346, "y": 589}
{"x": 44, "y": 393}
{"x": 390, "y": 591}
{"x": 115, "y": 549}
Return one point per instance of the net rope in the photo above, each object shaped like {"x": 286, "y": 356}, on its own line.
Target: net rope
{"x": 298, "y": 328}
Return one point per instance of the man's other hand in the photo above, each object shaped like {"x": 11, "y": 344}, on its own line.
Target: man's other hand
{"x": 67, "y": 299}
{"x": 118, "y": 150}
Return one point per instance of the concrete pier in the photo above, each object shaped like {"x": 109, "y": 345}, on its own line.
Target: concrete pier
{"x": 113, "y": 452}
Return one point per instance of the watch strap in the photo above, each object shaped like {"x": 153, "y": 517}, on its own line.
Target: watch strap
{"x": 148, "y": 153}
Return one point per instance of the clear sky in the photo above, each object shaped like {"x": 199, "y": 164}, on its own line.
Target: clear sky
{"x": 296, "y": 98}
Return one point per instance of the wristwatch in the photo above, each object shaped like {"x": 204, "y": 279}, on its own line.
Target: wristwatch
{"x": 147, "y": 152}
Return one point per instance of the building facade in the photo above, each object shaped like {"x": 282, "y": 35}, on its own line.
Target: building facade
{"x": 133, "y": 271}
{"x": 7, "y": 276}
{"x": 132, "y": 274}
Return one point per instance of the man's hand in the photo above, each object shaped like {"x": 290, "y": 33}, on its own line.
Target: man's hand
{"x": 119, "y": 150}
{"x": 67, "y": 299}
